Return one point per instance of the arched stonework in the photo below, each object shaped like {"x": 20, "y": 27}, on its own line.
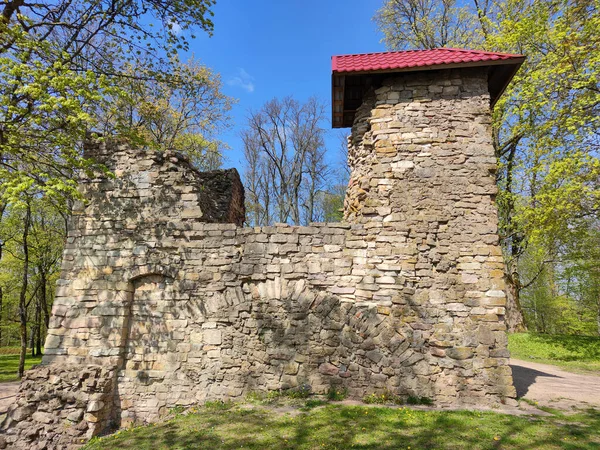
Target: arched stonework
{"x": 147, "y": 379}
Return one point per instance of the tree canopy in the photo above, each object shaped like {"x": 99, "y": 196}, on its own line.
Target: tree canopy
{"x": 61, "y": 61}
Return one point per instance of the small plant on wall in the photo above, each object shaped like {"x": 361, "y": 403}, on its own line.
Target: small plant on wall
{"x": 337, "y": 393}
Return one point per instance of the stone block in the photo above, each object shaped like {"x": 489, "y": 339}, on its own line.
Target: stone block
{"x": 328, "y": 369}
{"x": 75, "y": 416}
{"x": 469, "y": 278}
{"x": 459, "y": 353}
{"x": 43, "y": 417}
{"x": 94, "y": 406}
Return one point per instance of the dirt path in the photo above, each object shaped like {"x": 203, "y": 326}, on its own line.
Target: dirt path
{"x": 8, "y": 392}
{"x": 554, "y": 387}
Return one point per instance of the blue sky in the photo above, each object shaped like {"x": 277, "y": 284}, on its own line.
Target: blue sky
{"x": 273, "y": 48}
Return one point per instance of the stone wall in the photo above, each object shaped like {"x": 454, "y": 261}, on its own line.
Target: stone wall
{"x": 59, "y": 407}
{"x": 406, "y": 297}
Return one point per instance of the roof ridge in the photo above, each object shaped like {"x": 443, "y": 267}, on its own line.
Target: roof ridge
{"x": 481, "y": 52}
{"x": 453, "y": 49}
{"x": 390, "y": 51}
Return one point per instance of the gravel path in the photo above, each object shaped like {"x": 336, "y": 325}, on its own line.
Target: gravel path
{"x": 554, "y": 387}
{"x": 8, "y": 391}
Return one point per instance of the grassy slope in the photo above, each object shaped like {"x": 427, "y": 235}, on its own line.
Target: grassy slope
{"x": 361, "y": 427}
{"x": 9, "y": 366}
{"x": 576, "y": 353}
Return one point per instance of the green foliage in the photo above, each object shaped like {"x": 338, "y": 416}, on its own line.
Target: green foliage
{"x": 551, "y": 108}
{"x": 342, "y": 427}
{"x": 182, "y": 112}
{"x": 177, "y": 410}
{"x": 44, "y": 116}
{"x": 389, "y": 398}
{"x": 337, "y": 393}
{"x": 45, "y": 244}
{"x": 550, "y": 185}
{"x": 255, "y": 397}
{"x": 272, "y": 396}
{"x": 579, "y": 353}
{"x": 331, "y": 203}
{"x": 59, "y": 65}
{"x": 563, "y": 295}
{"x": 385, "y": 398}
{"x": 302, "y": 391}
{"x": 313, "y": 403}
{"x": 219, "y": 405}
{"x": 414, "y": 400}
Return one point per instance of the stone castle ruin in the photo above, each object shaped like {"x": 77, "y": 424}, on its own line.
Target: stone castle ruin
{"x": 165, "y": 299}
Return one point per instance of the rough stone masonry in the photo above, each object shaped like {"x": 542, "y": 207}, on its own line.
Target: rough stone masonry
{"x": 165, "y": 300}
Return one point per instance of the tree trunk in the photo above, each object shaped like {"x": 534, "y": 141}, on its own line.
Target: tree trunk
{"x": 23, "y": 294}
{"x": 38, "y": 337}
{"x": 1, "y": 291}
{"x": 32, "y": 333}
{"x": 44, "y": 300}
{"x": 514, "y": 314}
{"x": 37, "y": 330}
{"x": 1, "y": 299}
{"x": 598, "y": 317}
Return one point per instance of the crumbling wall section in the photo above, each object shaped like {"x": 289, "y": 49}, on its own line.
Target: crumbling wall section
{"x": 59, "y": 407}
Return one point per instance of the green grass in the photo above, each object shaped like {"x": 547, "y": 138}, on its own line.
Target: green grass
{"x": 9, "y": 366}
{"x": 575, "y": 353}
{"x": 11, "y": 350}
{"x": 360, "y": 427}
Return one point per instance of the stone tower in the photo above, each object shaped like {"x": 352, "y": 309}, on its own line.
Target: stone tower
{"x": 165, "y": 299}
{"x": 422, "y": 181}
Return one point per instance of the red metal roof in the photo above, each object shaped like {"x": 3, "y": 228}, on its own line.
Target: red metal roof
{"x": 367, "y": 62}
{"x": 353, "y": 75}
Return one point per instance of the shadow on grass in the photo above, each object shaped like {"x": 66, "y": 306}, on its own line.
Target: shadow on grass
{"x": 342, "y": 427}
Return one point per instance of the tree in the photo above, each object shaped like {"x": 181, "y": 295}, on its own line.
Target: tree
{"x": 330, "y": 200}
{"x": 184, "y": 113}
{"x": 564, "y": 297}
{"x": 330, "y": 204}
{"x": 23, "y": 293}
{"x": 57, "y": 60}
{"x": 32, "y": 237}
{"x": 421, "y": 24}
{"x": 285, "y": 166}
{"x": 581, "y": 277}
{"x": 545, "y": 125}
